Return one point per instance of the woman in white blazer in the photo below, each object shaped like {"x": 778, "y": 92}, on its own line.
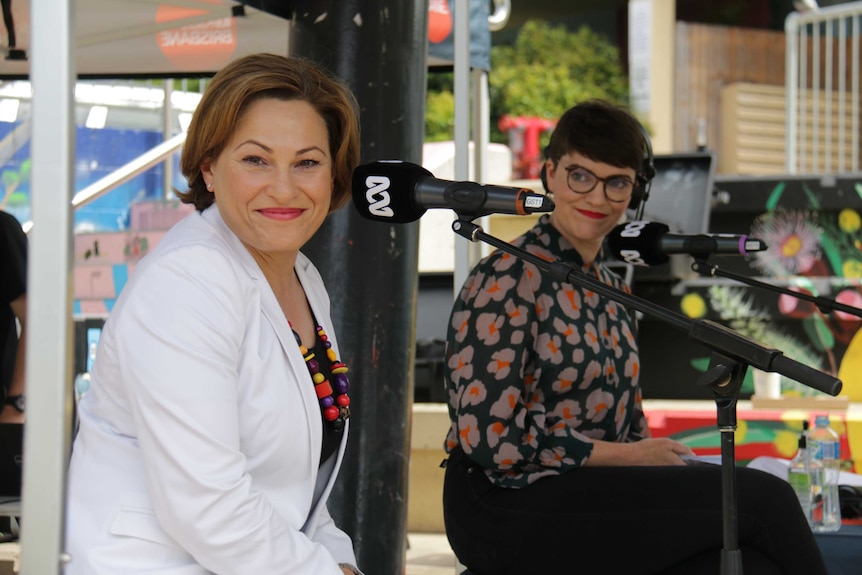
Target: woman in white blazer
{"x": 217, "y": 415}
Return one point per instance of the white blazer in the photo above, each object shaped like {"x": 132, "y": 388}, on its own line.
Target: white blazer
{"x": 200, "y": 437}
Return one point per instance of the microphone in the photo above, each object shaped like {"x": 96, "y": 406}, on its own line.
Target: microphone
{"x": 400, "y": 192}
{"x": 643, "y": 243}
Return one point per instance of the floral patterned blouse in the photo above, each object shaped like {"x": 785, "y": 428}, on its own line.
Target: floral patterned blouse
{"x": 536, "y": 369}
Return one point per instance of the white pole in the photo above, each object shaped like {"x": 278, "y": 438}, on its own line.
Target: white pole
{"x": 791, "y": 91}
{"x": 827, "y": 97}
{"x": 854, "y": 96}
{"x": 461, "y": 48}
{"x": 481, "y": 139}
{"x": 49, "y": 295}
{"x": 167, "y": 132}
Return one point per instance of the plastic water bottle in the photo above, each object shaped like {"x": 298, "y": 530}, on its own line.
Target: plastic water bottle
{"x": 799, "y": 477}
{"x": 826, "y": 457}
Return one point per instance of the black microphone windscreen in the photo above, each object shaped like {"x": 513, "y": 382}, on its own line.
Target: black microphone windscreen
{"x": 384, "y": 191}
{"x": 638, "y": 243}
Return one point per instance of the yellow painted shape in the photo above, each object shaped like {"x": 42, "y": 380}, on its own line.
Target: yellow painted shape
{"x": 850, "y": 372}
{"x": 854, "y": 438}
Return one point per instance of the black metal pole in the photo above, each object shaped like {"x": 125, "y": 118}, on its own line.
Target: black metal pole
{"x": 371, "y": 269}
{"x": 725, "y": 378}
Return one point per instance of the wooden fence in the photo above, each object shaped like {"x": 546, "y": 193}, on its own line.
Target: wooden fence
{"x": 733, "y": 80}
{"x": 708, "y": 58}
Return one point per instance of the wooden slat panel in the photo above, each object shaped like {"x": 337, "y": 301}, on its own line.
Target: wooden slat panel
{"x": 710, "y": 57}
{"x": 753, "y": 131}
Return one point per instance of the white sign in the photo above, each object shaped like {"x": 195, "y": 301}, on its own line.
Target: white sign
{"x": 640, "y": 49}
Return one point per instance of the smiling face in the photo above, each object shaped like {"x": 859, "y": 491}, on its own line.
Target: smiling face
{"x": 585, "y": 219}
{"x": 273, "y": 179}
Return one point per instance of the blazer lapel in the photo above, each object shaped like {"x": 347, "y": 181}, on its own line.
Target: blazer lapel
{"x": 275, "y": 316}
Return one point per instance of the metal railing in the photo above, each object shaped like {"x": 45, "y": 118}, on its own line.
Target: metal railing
{"x": 158, "y": 154}
{"x": 822, "y": 89}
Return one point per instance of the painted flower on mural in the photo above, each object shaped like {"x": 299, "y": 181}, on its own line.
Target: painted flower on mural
{"x": 793, "y": 238}
{"x": 795, "y": 307}
{"x": 849, "y": 221}
{"x": 841, "y": 243}
{"x": 851, "y": 269}
{"x": 852, "y": 298}
{"x": 693, "y": 306}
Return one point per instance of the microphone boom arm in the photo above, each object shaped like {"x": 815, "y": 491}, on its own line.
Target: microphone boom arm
{"x": 824, "y": 304}
{"x": 720, "y": 339}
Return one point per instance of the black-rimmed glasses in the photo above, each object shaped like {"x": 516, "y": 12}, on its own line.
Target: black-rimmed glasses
{"x": 617, "y": 189}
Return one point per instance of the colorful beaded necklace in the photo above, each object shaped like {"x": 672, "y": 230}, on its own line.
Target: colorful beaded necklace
{"x": 333, "y": 398}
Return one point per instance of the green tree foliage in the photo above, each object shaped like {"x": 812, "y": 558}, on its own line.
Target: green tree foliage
{"x": 440, "y": 116}
{"x": 545, "y": 71}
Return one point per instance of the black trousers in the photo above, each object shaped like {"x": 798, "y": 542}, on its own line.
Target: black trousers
{"x": 626, "y": 520}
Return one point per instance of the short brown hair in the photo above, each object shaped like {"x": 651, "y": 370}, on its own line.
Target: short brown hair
{"x": 602, "y": 132}
{"x": 258, "y": 76}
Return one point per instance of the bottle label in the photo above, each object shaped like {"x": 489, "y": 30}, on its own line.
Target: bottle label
{"x": 827, "y": 450}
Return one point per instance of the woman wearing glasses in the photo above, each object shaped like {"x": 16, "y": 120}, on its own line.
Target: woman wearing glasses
{"x": 551, "y": 465}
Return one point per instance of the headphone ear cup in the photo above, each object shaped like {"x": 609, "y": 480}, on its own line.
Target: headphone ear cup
{"x": 637, "y": 195}
{"x": 543, "y": 175}
{"x": 641, "y": 192}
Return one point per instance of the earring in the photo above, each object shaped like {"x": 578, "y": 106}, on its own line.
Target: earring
{"x": 209, "y": 186}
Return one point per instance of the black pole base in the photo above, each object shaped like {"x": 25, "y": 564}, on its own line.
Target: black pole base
{"x": 16, "y": 54}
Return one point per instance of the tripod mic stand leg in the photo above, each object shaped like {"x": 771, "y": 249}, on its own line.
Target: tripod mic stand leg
{"x": 731, "y": 556}
{"x": 725, "y": 377}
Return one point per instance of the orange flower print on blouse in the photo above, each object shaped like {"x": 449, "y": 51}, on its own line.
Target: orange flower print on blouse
{"x": 488, "y": 327}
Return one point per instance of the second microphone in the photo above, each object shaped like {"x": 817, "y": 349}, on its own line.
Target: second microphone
{"x": 644, "y": 243}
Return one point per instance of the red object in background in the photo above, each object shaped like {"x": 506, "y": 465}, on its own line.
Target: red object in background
{"x": 439, "y": 21}
{"x": 209, "y": 44}
{"x": 524, "y": 132}
{"x": 698, "y": 429}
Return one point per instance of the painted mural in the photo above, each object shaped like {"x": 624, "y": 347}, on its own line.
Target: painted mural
{"x": 813, "y": 230}
{"x": 113, "y": 232}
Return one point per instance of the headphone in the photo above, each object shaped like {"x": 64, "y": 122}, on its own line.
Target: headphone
{"x": 640, "y": 194}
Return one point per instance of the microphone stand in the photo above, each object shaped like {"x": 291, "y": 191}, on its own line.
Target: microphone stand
{"x": 732, "y": 354}
{"x": 824, "y": 304}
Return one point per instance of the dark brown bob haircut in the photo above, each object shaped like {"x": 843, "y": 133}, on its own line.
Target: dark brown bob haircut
{"x": 602, "y": 132}
{"x": 260, "y": 76}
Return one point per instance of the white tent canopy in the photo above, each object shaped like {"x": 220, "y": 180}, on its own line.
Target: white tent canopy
{"x": 116, "y": 38}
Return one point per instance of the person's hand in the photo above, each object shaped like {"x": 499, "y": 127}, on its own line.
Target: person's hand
{"x": 348, "y": 571}
{"x": 11, "y": 415}
{"x": 653, "y": 451}
{"x": 659, "y": 451}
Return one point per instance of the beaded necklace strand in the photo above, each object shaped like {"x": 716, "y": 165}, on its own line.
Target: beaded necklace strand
{"x": 333, "y": 398}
